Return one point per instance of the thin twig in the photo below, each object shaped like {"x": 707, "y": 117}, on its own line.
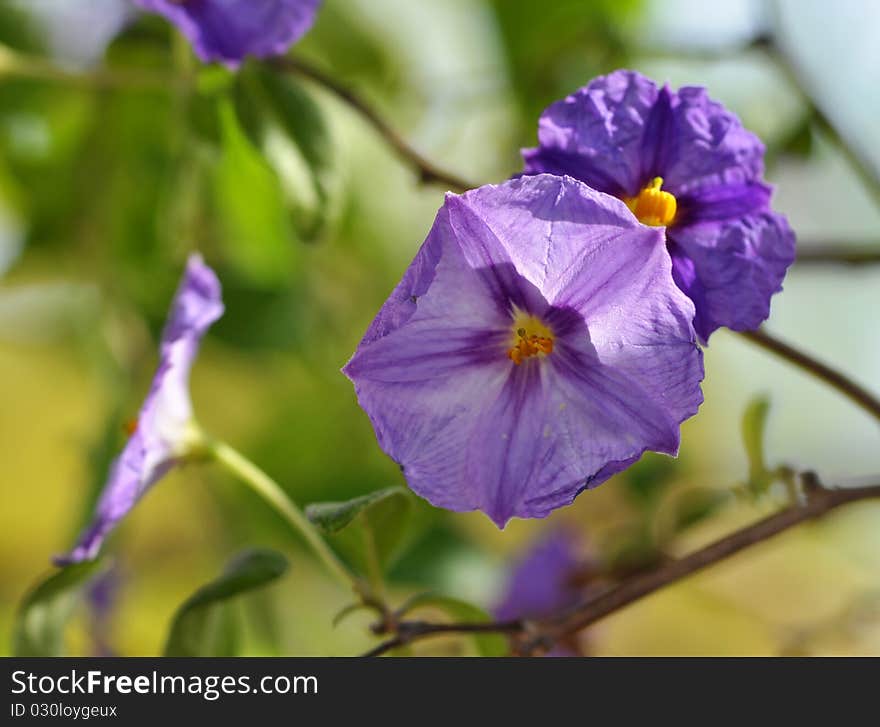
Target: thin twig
{"x": 838, "y": 255}
{"x": 819, "y": 501}
{"x": 428, "y": 172}
{"x": 846, "y": 386}
{"x": 409, "y": 631}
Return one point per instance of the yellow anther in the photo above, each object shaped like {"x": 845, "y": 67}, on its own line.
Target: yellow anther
{"x": 530, "y": 338}
{"x": 653, "y": 206}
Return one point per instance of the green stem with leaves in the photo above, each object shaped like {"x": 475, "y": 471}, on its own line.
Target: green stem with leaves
{"x": 271, "y": 491}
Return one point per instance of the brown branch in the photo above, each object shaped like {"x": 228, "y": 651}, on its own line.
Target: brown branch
{"x": 819, "y": 501}
{"x": 838, "y": 255}
{"x": 846, "y": 386}
{"x": 406, "y": 632}
{"x": 428, "y": 172}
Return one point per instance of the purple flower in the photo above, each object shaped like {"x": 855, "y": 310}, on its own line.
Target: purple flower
{"x": 544, "y": 580}
{"x": 102, "y": 596}
{"x": 535, "y": 346}
{"x": 165, "y": 433}
{"x": 683, "y": 161}
{"x": 228, "y": 30}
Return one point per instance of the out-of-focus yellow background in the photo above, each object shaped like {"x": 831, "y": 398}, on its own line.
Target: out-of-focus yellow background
{"x": 103, "y": 193}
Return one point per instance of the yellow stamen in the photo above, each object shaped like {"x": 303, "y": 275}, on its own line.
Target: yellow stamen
{"x": 530, "y": 338}
{"x": 653, "y": 206}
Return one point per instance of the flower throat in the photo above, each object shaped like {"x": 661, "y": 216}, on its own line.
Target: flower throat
{"x": 653, "y": 206}
{"x": 530, "y": 338}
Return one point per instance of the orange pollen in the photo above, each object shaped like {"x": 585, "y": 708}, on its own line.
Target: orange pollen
{"x": 130, "y": 427}
{"x": 528, "y": 346}
{"x": 653, "y": 206}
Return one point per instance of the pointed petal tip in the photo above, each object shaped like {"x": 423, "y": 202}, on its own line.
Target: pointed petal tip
{"x": 499, "y": 520}
{"x": 79, "y": 554}
{"x": 63, "y": 561}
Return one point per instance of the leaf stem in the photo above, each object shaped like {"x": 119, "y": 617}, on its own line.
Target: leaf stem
{"x": 272, "y": 492}
{"x": 371, "y": 556}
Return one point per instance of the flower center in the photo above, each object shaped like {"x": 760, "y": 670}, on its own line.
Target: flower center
{"x": 530, "y": 337}
{"x": 652, "y": 205}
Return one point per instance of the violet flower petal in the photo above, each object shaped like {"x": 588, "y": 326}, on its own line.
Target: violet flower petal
{"x": 620, "y": 131}
{"x": 542, "y": 580}
{"x": 470, "y": 429}
{"x": 226, "y": 31}
{"x": 731, "y": 269}
{"x": 164, "y": 427}
{"x": 596, "y": 134}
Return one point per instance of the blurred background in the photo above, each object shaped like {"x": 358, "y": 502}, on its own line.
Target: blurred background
{"x": 310, "y": 220}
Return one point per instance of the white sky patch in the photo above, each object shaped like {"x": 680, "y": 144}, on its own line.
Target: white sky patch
{"x": 78, "y": 31}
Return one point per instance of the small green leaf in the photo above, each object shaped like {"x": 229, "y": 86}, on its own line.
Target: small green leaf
{"x": 754, "y": 424}
{"x": 45, "y": 611}
{"x": 203, "y": 625}
{"x": 254, "y": 223}
{"x": 379, "y": 520}
{"x": 302, "y": 121}
{"x": 331, "y": 517}
{"x": 353, "y": 608}
{"x": 799, "y": 141}
{"x": 458, "y": 610}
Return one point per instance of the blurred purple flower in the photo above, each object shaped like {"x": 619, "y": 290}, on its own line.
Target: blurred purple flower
{"x": 102, "y": 597}
{"x": 683, "y": 161}
{"x": 226, "y": 31}
{"x": 535, "y": 346}
{"x": 544, "y": 580}
{"x": 165, "y": 433}
{"x": 552, "y": 575}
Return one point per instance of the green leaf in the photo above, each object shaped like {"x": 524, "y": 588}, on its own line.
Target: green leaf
{"x": 799, "y": 141}
{"x": 45, "y": 611}
{"x": 304, "y": 124}
{"x": 204, "y": 625}
{"x": 255, "y": 228}
{"x": 458, "y": 610}
{"x": 351, "y": 608}
{"x": 754, "y": 424}
{"x": 331, "y": 517}
{"x": 282, "y": 120}
{"x": 379, "y": 520}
